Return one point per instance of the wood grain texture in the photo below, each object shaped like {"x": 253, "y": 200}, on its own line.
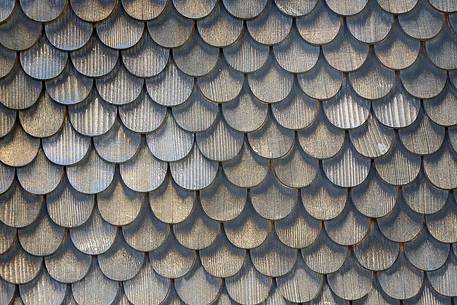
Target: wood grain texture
{"x": 228, "y": 152}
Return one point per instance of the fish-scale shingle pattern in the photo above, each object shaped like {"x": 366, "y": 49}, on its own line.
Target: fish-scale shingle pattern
{"x": 228, "y": 152}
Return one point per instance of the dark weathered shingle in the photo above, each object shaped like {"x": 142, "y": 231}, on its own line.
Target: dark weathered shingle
{"x": 228, "y": 152}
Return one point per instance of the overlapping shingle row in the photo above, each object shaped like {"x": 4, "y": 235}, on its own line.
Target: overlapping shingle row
{"x": 224, "y": 152}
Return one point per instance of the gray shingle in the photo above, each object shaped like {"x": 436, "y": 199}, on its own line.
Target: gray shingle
{"x": 230, "y": 152}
